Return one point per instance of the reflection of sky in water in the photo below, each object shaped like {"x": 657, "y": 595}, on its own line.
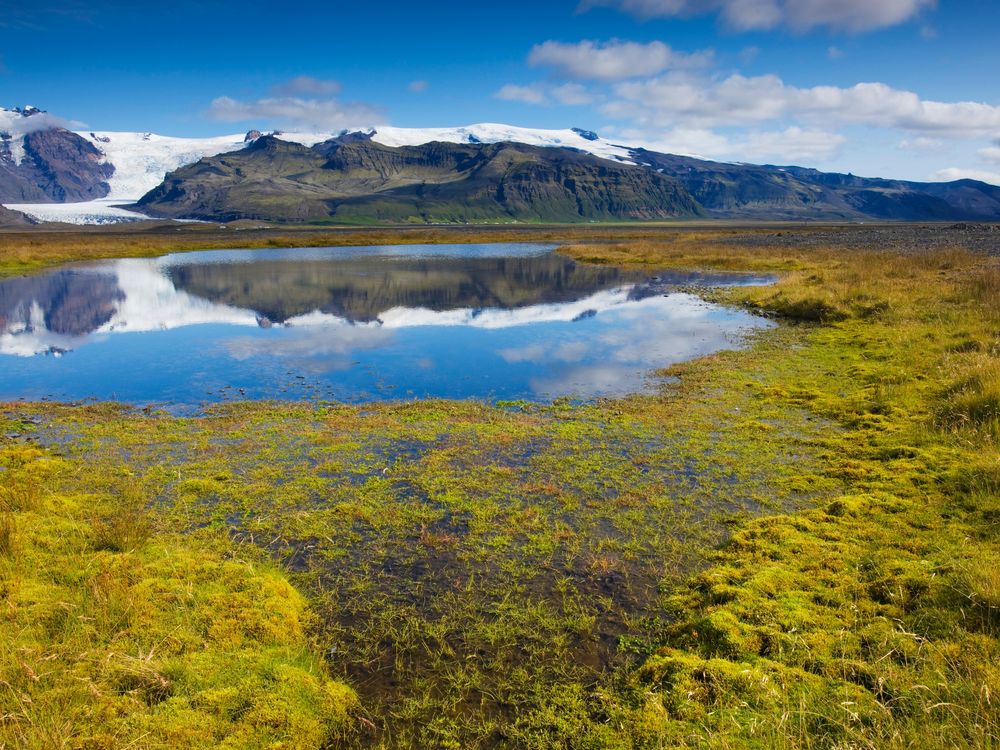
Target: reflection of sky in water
{"x": 146, "y": 340}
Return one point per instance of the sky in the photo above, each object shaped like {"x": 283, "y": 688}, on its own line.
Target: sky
{"x": 892, "y": 88}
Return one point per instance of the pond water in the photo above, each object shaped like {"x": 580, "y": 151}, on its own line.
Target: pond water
{"x": 501, "y": 321}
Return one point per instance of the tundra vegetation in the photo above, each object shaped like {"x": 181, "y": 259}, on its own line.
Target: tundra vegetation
{"x": 791, "y": 545}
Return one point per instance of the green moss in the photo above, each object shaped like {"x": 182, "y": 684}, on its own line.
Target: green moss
{"x": 790, "y": 546}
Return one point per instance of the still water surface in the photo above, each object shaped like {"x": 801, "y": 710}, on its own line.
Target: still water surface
{"x": 501, "y": 321}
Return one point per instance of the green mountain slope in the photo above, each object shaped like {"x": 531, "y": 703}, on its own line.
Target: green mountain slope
{"x": 753, "y": 191}
{"x": 353, "y": 179}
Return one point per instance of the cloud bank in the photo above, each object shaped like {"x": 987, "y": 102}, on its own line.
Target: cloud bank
{"x": 613, "y": 60}
{"x": 302, "y": 103}
{"x": 853, "y": 16}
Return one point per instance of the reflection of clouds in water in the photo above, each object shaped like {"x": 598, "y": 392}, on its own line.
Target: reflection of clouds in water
{"x": 530, "y": 353}
{"x": 591, "y": 381}
{"x": 634, "y": 340}
{"x": 316, "y": 348}
{"x": 571, "y": 352}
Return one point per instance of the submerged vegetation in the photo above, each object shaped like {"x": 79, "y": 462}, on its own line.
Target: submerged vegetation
{"x": 793, "y": 545}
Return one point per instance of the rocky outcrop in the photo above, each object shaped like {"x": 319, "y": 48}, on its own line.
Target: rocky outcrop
{"x": 54, "y": 166}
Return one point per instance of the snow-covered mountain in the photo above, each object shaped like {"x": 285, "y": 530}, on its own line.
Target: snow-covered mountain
{"x": 142, "y": 160}
{"x": 49, "y": 172}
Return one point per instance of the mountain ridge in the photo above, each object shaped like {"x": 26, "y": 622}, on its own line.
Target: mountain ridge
{"x": 351, "y": 179}
{"x": 89, "y": 175}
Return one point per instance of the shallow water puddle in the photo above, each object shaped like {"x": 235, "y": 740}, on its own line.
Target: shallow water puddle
{"x": 500, "y": 321}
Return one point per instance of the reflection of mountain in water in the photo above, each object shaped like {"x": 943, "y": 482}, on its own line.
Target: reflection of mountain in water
{"x": 65, "y": 302}
{"x": 54, "y": 312}
{"x": 361, "y": 289}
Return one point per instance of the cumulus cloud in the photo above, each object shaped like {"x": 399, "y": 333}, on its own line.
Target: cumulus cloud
{"x": 523, "y": 94}
{"x": 798, "y": 15}
{"x": 992, "y": 153}
{"x": 740, "y": 100}
{"x": 299, "y": 113}
{"x": 571, "y": 94}
{"x": 793, "y": 144}
{"x": 417, "y": 86}
{"x": 922, "y": 144}
{"x": 300, "y": 103}
{"x": 306, "y": 86}
{"x": 957, "y": 173}
{"x": 613, "y": 60}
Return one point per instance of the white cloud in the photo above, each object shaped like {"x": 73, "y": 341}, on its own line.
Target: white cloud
{"x": 922, "y": 144}
{"x": 739, "y": 100}
{"x": 834, "y": 53}
{"x": 524, "y": 94}
{"x": 991, "y": 154}
{"x": 793, "y": 144}
{"x": 956, "y": 173}
{"x": 306, "y": 86}
{"x": 571, "y": 94}
{"x": 798, "y": 15}
{"x": 417, "y": 86}
{"x": 17, "y": 125}
{"x": 292, "y": 112}
{"x": 613, "y": 60}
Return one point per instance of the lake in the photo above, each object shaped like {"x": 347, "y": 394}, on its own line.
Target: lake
{"x": 497, "y": 322}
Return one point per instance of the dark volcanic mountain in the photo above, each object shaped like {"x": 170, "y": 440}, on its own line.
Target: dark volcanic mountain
{"x": 748, "y": 191}
{"x": 56, "y": 166}
{"x": 354, "y": 179}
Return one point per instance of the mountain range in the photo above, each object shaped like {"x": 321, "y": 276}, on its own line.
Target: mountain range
{"x": 478, "y": 173}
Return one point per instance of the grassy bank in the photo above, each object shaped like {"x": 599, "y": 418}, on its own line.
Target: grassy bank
{"x": 43, "y": 247}
{"x": 793, "y": 545}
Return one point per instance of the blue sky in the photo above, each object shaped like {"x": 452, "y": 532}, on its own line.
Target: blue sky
{"x": 902, "y": 88}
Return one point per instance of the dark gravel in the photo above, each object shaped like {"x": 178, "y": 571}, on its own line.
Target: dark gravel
{"x": 981, "y": 238}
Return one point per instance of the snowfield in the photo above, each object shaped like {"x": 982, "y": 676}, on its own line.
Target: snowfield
{"x": 142, "y": 160}
{"x": 494, "y": 133}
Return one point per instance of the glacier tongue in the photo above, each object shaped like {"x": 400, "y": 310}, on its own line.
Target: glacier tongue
{"x": 142, "y": 160}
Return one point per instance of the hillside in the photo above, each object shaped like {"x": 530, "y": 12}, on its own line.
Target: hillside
{"x": 749, "y": 191}
{"x": 354, "y": 179}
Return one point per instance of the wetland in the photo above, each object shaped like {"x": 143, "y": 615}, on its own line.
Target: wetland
{"x": 785, "y": 540}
